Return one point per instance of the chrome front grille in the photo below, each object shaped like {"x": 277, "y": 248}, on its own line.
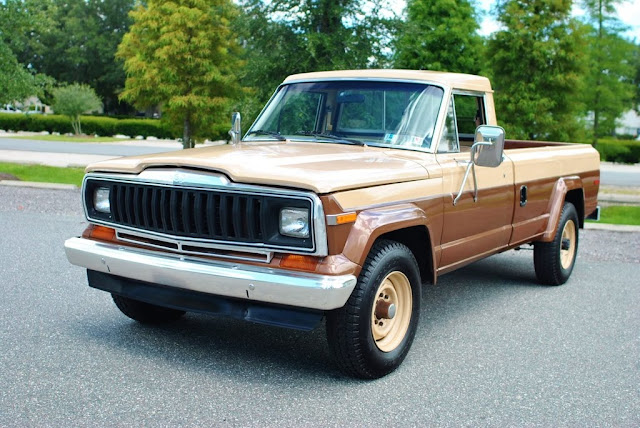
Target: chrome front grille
{"x": 202, "y": 213}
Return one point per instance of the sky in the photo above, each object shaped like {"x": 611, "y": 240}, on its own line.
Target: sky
{"x": 628, "y": 13}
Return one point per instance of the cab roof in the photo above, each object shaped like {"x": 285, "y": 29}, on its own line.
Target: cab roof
{"x": 459, "y": 81}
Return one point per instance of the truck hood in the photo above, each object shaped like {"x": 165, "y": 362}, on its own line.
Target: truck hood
{"x": 319, "y": 167}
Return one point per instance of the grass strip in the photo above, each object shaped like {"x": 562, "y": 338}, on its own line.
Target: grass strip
{"x": 44, "y": 174}
{"x": 620, "y": 214}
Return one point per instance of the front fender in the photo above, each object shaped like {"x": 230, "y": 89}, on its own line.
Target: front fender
{"x": 371, "y": 224}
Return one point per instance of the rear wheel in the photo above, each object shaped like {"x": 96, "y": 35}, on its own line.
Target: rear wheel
{"x": 371, "y": 335}
{"x": 145, "y": 312}
{"x": 554, "y": 261}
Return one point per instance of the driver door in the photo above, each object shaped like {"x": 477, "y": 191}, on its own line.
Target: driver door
{"x": 471, "y": 229}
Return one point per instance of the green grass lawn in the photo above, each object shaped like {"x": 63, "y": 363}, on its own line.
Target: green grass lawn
{"x": 620, "y": 215}
{"x": 45, "y": 174}
{"x": 71, "y": 138}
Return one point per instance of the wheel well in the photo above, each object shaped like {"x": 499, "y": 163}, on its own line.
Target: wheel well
{"x": 576, "y": 197}
{"x": 416, "y": 238}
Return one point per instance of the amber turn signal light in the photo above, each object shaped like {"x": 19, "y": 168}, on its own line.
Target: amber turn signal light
{"x": 100, "y": 232}
{"x": 296, "y": 261}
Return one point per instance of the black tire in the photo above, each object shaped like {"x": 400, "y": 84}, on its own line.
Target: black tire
{"x": 554, "y": 261}
{"x": 145, "y": 313}
{"x": 390, "y": 270}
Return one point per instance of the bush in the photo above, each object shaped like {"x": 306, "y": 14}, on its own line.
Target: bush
{"x": 623, "y": 151}
{"x": 103, "y": 126}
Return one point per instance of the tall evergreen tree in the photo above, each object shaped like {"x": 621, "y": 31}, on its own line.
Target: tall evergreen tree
{"x": 440, "y": 35}
{"x": 182, "y": 55}
{"x": 537, "y": 64}
{"x": 611, "y": 73}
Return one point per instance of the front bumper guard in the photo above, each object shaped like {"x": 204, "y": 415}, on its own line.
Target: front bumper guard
{"x": 235, "y": 280}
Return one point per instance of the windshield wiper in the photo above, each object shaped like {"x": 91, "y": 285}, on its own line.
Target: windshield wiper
{"x": 332, "y": 137}
{"x": 273, "y": 134}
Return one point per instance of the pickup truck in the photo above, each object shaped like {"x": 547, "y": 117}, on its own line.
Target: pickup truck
{"x": 350, "y": 191}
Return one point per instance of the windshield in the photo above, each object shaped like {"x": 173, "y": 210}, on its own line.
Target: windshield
{"x": 391, "y": 114}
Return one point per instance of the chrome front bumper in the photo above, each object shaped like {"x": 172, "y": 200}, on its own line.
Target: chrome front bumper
{"x": 254, "y": 283}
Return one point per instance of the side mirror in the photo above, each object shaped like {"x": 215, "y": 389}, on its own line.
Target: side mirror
{"x": 236, "y": 128}
{"x": 486, "y": 150}
{"x": 488, "y": 146}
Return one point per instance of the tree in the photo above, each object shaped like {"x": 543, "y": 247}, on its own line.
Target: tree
{"x": 71, "y": 40}
{"x": 182, "y": 55}
{"x": 284, "y": 37}
{"x": 18, "y": 79}
{"x": 611, "y": 74}
{"x": 537, "y": 64}
{"x": 16, "y": 83}
{"x": 73, "y": 100}
{"x": 440, "y": 35}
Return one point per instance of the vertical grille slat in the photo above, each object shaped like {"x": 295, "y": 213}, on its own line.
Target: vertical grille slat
{"x": 224, "y": 220}
{"x": 173, "y": 210}
{"x": 251, "y": 218}
{"x": 236, "y": 216}
{"x": 113, "y": 202}
{"x": 211, "y": 214}
{"x": 155, "y": 208}
{"x": 198, "y": 213}
{"x": 145, "y": 202}
{"x": 185, "y": 212}
{"x": 164, "y": 209}
{"x": 128, "y": 205}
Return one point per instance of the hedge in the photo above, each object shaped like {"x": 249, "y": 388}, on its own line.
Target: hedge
{"x": 103, "y": 126}
{"x": 622, "y": 151}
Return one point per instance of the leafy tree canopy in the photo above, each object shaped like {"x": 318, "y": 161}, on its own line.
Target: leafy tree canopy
{"x": 71, "y": 40}
{"x": 182, "y": 55}
{"x": 537, "y": 64}
{"x": 610, "y": 75}
{"x": 440, "y": 35}
{"x": 16, "y": 83}
{"x": 284, "y": 37}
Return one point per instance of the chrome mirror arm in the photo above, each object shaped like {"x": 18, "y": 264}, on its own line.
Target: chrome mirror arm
{"x": 471, "y": 166}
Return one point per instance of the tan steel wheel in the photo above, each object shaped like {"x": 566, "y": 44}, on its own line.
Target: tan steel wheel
{"x": 391, "y": 311}
{"x": 568, "y": 244}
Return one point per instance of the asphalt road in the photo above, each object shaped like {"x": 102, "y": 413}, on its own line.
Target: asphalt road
{"x": 493, "y": 347}
{"x": 106, "y": 149}
{"x": 620, "y": 175}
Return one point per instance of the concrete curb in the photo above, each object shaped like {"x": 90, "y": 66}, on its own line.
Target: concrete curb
{"x": 37, "y": 185}
{"x": 612, "y": 227}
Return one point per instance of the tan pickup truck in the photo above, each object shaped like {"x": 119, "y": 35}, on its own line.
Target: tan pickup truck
{"x": 350, "y": 191}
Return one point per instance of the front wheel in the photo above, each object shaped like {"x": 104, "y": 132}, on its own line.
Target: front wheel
{"x": 371, "y": 335}
{"x": 554, "y": 261}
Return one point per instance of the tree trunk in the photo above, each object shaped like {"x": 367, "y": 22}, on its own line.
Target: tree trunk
{"x": 186, "y": 133}
{"x": 598, "y": 88}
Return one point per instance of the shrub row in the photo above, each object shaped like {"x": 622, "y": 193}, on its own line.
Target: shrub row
{"x": 623, "y": 151}
{"x": 103, "y": 126}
